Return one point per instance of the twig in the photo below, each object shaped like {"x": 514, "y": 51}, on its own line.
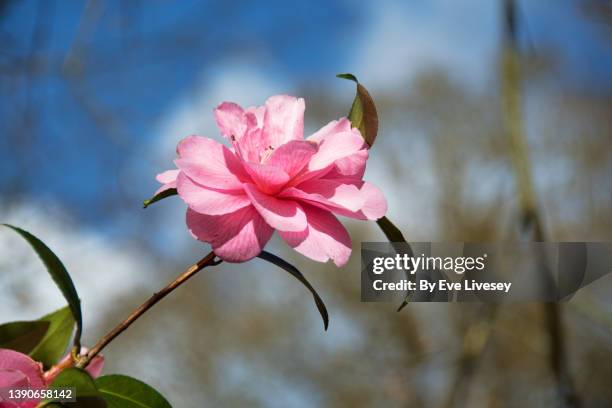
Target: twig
{"x": 208, "y": 260}
{"x": 531, "y": 219}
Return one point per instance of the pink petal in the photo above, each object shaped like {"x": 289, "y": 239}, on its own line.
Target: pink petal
{"x": 292, "y": 156}
{"x": 283, "y": 215}
{"x": 374, "y": 202}
{"x": 351, "y": 166}
{"x": 235, "y": 237}
{"x": 12, "y": 362}
{"x": 13, "y": 379}
{"x": 335, "y": 126}
{"x": 167, "y": 176}
{"x": 209, "y": 163}
{"x": 348, "y": 197}
{"x": 253, "y": 145}
{"x": 268, "y": 178}
{"x": 208, "y": 201}
{"x": 375, "y": 205}
{"x": 256, "y": 115}
{"x": 284, "y": 119}
{"x": 331, "y": 193}
{"x": 231, "y": 120}
{"x": 334, "y": 147}
{"x": 95, "y": 366}
{"x": 168, "y": 179}
{"x": 324, "y": 239}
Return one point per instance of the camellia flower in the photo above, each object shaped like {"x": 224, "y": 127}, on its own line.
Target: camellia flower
{"x": 274, "y": 179}
{"x": 20, "y": 371}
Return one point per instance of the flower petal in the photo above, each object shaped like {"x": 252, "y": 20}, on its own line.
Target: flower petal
{"x": 167, "y": 179}
{"x": 209, "y": 163}
{"x": 292, "y": 156}
{"x": 331, "y": 193}
{"x": 235, "y": 237}
{"x": 375, "y": 203}
{"x": 336, "y": 146}
{"x": 208, "y": 201}
{"x": 335, "y": 126}
{"x": 231, "y": 120}
{"x": 351, "y": 166}
{"x": 12, "y": 361}
{"x": 348, "y": 197}
{"x": 284, "y": 119}
{"x": 95, "y": 366}
{"x": 256, "y": 115}
{"x": 280, "y": 214}
{"x": 267, "y": 177}
{"x": 13, "y": 379}
{"x": 324, "y": 239}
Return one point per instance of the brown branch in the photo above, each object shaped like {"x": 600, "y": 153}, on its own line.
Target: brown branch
{"x": 208, "y": 260}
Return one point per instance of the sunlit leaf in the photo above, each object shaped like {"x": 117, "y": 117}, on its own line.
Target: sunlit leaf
{"x": 22, "y": 336}
{"x": 121, "y": 391}
{"x": 363, "y": 114}
{"x": 159, "y": 196}
{"x": 60, "y": 276}
{"x": 281, "y": 263}
{"x": 87, "y": 394}
{"x": 55, "y": 342}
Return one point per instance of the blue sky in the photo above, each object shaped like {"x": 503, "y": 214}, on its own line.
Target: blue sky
{"x": 142, "y": 60}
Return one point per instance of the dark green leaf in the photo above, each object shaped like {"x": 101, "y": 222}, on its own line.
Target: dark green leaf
{"x": 281, "y": 263}
{"x": 348, "y": 76}
{"x": 363, "y": 114}
{"x": 121, "y": 391}
{"x": 22, "y": 336}
{"x": 60, "y": 275}
{"x": 53, "y": 345}
{"x": 87, "y": 393}
{"x": 159, "y": 196}
{"x": 394, "y": 235}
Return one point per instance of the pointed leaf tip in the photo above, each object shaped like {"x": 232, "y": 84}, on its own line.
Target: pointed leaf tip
{"x": 159, "y": 196}
{"x": 348, "y": 76}
{"x": 59, "y": 274}
{"x": 363, "y": 114}
{"x": 281, "y": 263}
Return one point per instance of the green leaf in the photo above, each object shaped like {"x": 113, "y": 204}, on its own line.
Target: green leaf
{"x": 281, "y": 263}
{"x": 348, "y": 76}
{"x": 121, "y": 391}
{"x": 394, "y": 235}
{"x": 22, "y": 336}
{"x": 363, "y": 114}
{"x": 60, "y": 275}
{"x": 53, "y": 345}
{"x": 159, "y": 196}
{"x": 87, "y": 393}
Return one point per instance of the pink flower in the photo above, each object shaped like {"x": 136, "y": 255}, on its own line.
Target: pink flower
{"x": 19, "y": 371}
{"x": 274, "y": 179}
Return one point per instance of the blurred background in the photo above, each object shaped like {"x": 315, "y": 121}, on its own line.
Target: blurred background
{"x": 495, "y": 122}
